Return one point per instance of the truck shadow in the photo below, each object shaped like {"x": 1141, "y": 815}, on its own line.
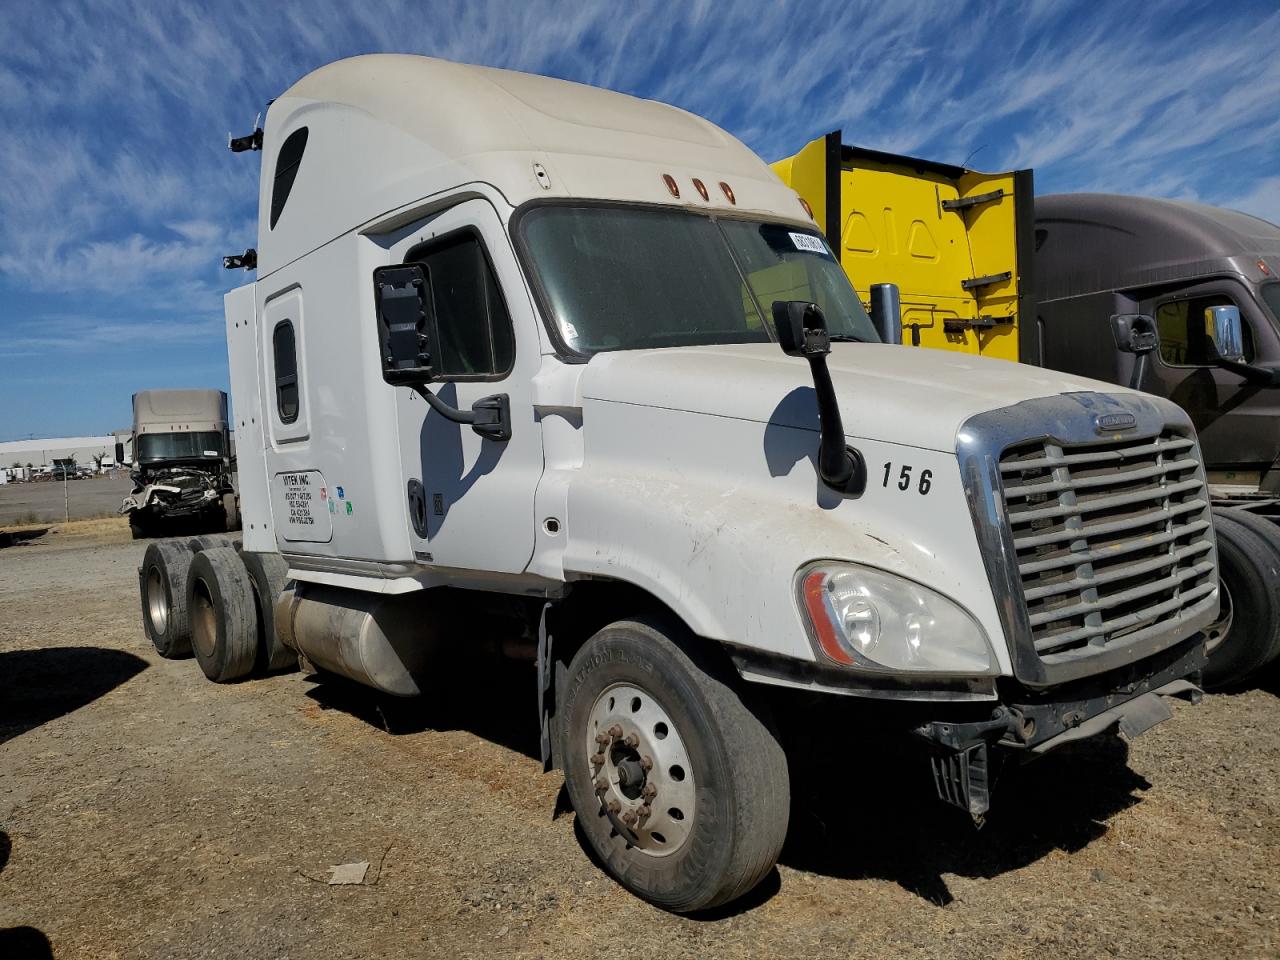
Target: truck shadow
{"x": 37, "y": 686}
{"x": 442, "y": 462}
{"x": 11, "y": 538}
{"x": 907, "y": 836}
{"x": 492, "y": 698}
{"x": 861, "y": 808}
{"x": 20, "y": 943}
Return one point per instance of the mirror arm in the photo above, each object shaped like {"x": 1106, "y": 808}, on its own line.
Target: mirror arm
{"x": 836, "y": 464}
{"x": 490, "y": 416}
{"x": 1262, "y": 376}
{"x": 1139, "y": 370}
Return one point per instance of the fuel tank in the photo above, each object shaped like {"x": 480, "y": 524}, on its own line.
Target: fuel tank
{"x": 381, "y": 641}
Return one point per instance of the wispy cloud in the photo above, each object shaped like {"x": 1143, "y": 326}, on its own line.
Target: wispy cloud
{"x": 118, "y": 197}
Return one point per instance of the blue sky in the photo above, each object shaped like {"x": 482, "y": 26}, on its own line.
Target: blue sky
{"x": 118, "y": 196}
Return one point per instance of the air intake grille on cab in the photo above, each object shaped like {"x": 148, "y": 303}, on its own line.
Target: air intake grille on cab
{"x": 1112, "y": 537}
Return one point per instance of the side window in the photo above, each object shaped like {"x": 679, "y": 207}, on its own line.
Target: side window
{"x": 476, "y": 340}
{"x": 287, "y": 162}
{"x": 1183, "y": 341}
{"x": 286, "y": 366}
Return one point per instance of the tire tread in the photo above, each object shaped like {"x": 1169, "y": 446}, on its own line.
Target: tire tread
{"x": 235, "y": 614}
{"x": 1249, "y": 549}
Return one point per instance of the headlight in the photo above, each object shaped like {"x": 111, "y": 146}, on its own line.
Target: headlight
{"x": 865, "y": 618}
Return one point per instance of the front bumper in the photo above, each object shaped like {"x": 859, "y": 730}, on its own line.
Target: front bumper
{"x": 1029, "y": 723}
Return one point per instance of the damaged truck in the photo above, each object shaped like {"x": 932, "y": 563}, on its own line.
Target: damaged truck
{"x": 525, "y": 351}
{"x": 183, "y": 463}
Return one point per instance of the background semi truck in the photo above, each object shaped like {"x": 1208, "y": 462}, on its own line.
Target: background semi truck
{"x": 984, "y": 267}
{"x": 183, "y": 463}
{"x": 533, "y": 360}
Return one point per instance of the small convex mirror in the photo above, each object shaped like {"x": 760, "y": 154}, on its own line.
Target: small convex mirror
{"x": 801, "y": 328}
{"x": 1135, "y": 333}
{"x": 1222, "y": 325}
{"x": 406, "y": 322}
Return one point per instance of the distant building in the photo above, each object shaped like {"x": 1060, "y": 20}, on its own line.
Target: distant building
{"x": 41, "y": 453}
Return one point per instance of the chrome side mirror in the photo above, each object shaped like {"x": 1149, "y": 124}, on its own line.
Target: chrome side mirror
{"x": 1223, "y": 326}
{"x": 886, "y": 312}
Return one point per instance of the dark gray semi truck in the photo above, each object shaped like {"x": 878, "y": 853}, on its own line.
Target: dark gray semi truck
{"x": 1209, "y": 278}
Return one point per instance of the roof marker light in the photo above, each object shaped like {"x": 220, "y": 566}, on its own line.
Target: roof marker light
{"x": 701, "y": 188}
{"x": 671, "y": 185}
{"x": 728, "y": 193}
{"x": 1262, "y": 265}
{"x": 807, "y": 209}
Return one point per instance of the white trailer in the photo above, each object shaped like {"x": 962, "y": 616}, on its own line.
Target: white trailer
{"x": 528, "y": 344}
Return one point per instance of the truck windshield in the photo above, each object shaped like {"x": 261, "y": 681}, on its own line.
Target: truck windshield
{"x": 628, "y": 278}
{"x": 192, "y": 445}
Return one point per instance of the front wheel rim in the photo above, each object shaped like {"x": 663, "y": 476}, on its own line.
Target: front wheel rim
{"x": 640, "y": 769}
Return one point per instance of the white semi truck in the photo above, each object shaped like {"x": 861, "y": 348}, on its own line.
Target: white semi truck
{"x": 525, "y": 345}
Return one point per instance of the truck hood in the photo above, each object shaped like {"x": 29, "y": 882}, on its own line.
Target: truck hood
{"x": 896, "y": 394}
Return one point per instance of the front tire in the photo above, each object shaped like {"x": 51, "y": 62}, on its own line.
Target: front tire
{"x": 230, "y": 512}
{"x": 679, "y": 786}
{"x": 1247, "y": 635}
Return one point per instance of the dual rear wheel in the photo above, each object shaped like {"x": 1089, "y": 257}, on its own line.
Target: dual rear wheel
{"x": 205, "y": 597}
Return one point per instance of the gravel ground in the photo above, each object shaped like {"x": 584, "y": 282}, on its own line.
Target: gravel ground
{"x": 43, "y": 502}
{"x": 148, "y": 813}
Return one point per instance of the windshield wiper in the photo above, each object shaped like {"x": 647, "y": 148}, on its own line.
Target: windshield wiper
{"x": 845, "y": 338}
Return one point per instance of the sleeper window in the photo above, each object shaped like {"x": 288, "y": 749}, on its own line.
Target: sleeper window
{"x": 474, "y": 329}
{"x": 287, "y": 162}
{"x": 286, "y": 365}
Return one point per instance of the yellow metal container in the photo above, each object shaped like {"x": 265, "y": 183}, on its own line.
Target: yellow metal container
{"x": 956, "y": 242}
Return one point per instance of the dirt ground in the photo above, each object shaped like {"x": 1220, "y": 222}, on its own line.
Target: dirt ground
{"x": 145, "y": 812}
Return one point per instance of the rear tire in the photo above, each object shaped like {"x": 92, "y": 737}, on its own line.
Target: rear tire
{"x": 224, "y": 623}
{"x": 137, "y": 527}
{"x": 1248, "y": 633}
{"x": 269, "y": 573}
{"x": 162, "y": 584}
{"x": 712, "y": 831}
{"x": 207, "y": 541}
{"x": 231, "y": 511}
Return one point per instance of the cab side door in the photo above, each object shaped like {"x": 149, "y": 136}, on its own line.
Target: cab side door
{"x": 470, "y": 499}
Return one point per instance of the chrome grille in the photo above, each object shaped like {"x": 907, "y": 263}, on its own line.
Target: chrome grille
{"x": 1112, "y": 539}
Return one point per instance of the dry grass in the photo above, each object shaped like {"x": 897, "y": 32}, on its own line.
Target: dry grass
{"x": 92, "y": 527}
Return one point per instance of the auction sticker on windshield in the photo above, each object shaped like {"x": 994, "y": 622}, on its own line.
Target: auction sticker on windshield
{"x": 807, "y": 243}
{"x": 298, "y": 507}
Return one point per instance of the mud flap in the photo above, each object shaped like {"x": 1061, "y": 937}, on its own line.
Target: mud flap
{"x": 545, "y": 673}
{"x": 963, "y": 779}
